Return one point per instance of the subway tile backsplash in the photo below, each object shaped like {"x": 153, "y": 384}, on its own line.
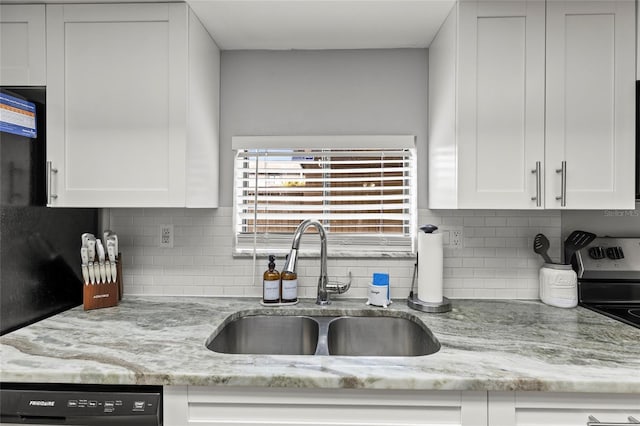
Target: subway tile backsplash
{"x": 496, "y": 259}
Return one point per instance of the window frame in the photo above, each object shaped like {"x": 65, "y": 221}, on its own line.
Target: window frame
{"x": 339, "y": 244}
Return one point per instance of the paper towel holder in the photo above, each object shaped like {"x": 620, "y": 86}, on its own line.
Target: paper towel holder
{"x": 419, "y": 305}
{"x": 434, "y": 308}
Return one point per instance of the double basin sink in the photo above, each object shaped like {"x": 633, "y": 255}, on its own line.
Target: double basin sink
{"x": 270, "y": 333}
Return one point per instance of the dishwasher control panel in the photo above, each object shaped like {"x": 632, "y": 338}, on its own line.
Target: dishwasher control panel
{"x": 93, "y": 407}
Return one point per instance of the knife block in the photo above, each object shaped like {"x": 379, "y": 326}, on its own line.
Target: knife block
{"x": 105, "y": 295}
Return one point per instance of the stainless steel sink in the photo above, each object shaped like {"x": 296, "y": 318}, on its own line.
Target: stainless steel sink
{"x": 366, "y": 335}
{"x": 267, "y": 334}
{"x": 379, "y": 336}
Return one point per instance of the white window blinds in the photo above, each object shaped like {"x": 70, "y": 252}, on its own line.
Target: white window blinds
{"x": 361, "y": 188}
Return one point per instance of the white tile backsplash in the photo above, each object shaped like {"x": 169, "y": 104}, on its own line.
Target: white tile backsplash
{"x": 497, "y": 260}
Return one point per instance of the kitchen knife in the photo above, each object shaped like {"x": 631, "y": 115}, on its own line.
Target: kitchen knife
{"x": 113, "y": 238}
{"x": 102, "y": 273}
{"x": 84, "y": 255}
{"x": 85, "y": 273}
{"x": 107, "y": 270}
{"x": 101, "y": 259}
{"x": 92, "y": 273}
{"x": 86, "y": 237}
{"x": 100, "y": 251}
{"x": 91, "y": 246}
{"x": 111, "y": 251}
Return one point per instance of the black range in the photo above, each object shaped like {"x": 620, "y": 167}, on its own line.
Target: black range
{"x": 609, "y": 278}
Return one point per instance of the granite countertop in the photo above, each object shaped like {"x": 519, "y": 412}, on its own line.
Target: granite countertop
{"x": 486, "y": 345}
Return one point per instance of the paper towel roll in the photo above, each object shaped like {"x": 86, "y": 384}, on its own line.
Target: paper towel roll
{"x": 430, "y": 267}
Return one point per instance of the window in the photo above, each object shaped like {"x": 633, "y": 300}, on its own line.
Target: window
{"x": 361, "y": 188}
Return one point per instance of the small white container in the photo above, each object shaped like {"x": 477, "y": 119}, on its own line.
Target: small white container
{"x": 558, "y": 285}
{"x": 378, "y": 291}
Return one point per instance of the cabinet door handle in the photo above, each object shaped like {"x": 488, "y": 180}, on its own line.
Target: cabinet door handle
{"x": 563, "y": 184}
{"x": 537, "y": 172}
{"x": 595, "y": 422}
{"x": 50, "y": 171}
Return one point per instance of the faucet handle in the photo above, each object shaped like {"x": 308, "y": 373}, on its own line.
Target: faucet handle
{"x": 338, "y": 286}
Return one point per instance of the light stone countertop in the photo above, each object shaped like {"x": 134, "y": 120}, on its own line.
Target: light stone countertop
{"x": 486, "y": 345}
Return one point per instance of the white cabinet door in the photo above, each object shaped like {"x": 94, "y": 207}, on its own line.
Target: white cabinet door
{"x": 116, "y": 104}
{"x": 560, "y": 409}
{"x": 501, "y": 103}
{"x": 590, "y": 104}
{"x": 22, "y": 45}
{"x": 507, "y": 131}
{"x": 209, "y": 406}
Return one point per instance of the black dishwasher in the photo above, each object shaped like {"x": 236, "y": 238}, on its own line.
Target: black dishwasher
{"x": 88, "y": 405}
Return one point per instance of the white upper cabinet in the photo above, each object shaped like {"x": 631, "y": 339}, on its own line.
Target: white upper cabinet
{"x": 22, "y": 45}
{"x": 501, "y": 102}
{"x": 496, "y": 137}
{"x": 132, "y": 107}
{"x": 590, "y": 117}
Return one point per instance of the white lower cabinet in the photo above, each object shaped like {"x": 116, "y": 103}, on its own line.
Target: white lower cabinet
{"x": 561, "y": 409}
{"x": 248, "y": 406}
{"x": 244, "y": 406}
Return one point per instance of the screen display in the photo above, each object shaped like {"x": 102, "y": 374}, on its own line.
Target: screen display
{"x": 17, "y": 116}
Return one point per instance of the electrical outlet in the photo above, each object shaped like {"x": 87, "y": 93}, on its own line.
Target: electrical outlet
{"x": 456, "y": 237}
{"x": 166, "y": 236}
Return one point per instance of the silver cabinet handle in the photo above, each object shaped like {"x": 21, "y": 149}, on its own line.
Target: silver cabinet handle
{"x": 50, "y": 171}
{"x": 595, "y": 422}
{"x": 538, "y": 173}
{"x": 563, "y": 184}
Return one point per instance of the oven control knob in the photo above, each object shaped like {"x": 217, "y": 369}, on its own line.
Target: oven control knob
{"x": 615, "y": 253}
{"x": 596, "y": 253}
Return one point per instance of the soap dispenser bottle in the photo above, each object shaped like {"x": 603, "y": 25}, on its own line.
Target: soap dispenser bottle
{"x": 289, "y": 286}
{"x": 271, "y": 283}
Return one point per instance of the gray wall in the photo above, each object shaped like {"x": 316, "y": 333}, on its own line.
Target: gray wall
{"x": 322, "y": 92}
{"x": 612, "y": 223}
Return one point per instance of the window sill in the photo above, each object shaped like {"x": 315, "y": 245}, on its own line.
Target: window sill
{"x": 336, "y": 253}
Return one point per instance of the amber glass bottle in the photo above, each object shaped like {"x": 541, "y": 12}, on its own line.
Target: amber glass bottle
{"x": 289, "y": 289}
{"x": 271, "y": 283}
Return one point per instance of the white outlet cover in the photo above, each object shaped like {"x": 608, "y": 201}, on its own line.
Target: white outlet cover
{"x": 453, "y": 237}
{"x": 166, "y": 236}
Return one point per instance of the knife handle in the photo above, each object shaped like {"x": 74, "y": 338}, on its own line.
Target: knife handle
{"x": 85, "y": 273}
{"x": 92, "y": 273}
{"x": 114, "y": 272}
{"x": 84, "y": 255}
{"x": 91, "y": 250}
{"x": 107, "y": 269}
{"x": 111, "y": 251}
{"x": 103, "y": 273}
{"x": 100, "y": 251}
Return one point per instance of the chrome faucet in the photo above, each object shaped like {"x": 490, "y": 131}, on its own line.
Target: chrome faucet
{"x": 323, "y": 281}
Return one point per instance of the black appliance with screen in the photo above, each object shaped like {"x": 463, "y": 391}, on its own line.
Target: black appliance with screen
{"x": 40, "y": 276}
{"x": 609, "y": 278}
{"x": 88, "y": 405}
{"x": 39, "y": 246}
{"x": 638, "y": 140}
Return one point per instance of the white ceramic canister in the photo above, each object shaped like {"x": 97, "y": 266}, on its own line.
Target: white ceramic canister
{"x": 558, "y": 285}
